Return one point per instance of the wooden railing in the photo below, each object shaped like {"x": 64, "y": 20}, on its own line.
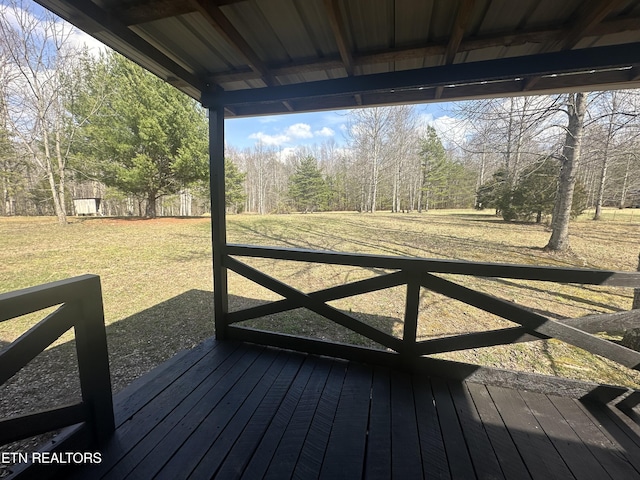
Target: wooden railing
{"x": 79, "y": 302}
{"x": 419, "y": 273}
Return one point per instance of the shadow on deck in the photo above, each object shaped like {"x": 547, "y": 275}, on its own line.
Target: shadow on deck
{"x": 237, "y": 410}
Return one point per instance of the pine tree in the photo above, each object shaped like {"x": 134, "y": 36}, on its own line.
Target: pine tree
{"x": 234, "y": 187}
{"x": 148, "y": 139}
{"x": 307, "y": 187}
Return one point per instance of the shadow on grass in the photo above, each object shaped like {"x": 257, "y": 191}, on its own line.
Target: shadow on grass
{"x": 148, "y": 338}
{"x": 142, "y": 341}
{"x": 393, "y": 241}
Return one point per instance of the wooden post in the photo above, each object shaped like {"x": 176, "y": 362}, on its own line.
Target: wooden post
{"x": 93, "y": 361}
{"x": 218, "y": 219}
{"x": 412, "y": 305}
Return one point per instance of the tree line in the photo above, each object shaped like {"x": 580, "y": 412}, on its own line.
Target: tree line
{"x": 74, "y": 125}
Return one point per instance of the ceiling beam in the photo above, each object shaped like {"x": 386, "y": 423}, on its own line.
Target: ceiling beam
{"x": 234, "y": 38}
{"x": 459, "y": 28}
{"x": 595, "y": 13}
{"x": 339, "y": 33}
{"x": 432, "y": 49}
{"x": 579, "y": 61}
{"x": 143, "y": 11}
{"x": 591, "y": 15}
{"x": 567, "y": 83}
{"x": 457, "y": 33}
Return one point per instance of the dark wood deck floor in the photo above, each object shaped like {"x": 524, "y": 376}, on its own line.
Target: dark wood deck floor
{"x": 233, "y": 410}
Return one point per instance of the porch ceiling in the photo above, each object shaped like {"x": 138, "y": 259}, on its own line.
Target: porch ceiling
{"x": 276, "y": 56}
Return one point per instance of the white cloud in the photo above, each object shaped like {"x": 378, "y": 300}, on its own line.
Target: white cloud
{"x": 425, "y": 118}
{"x": 286, "y": 152}
{"x": 299, "y": 130}
{"x": 324, "y": 132}
{"x": 451, "y": 131}
{"x": 291, "y": 134}
{"x": 43, "y": 25}
{"x": 80, "y": 39}
{"x": 270, "y": 140}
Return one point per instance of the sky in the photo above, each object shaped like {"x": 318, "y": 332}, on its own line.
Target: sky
{"x": 288, "y": 131}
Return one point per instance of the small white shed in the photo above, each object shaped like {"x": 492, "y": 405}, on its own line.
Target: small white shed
{"x": 87, "y": 206}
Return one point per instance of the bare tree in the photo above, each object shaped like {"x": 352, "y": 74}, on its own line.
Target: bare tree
{"x": 570, "y": 159}
{"x": 369, "y": 129}
{"x": 401, "y": 151}
{"x": 41, "y": 56}
{"x": 616, "y": 112}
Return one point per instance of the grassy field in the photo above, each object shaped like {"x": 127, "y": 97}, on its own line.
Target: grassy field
{"x": 156, "y": 280}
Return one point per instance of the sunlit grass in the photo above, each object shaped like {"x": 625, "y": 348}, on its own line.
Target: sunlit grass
{"x": 157, "y": 278}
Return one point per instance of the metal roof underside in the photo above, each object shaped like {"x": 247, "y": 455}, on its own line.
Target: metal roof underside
{"x": 260, "y": 57}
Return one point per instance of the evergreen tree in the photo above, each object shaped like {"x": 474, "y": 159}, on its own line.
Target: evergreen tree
{"x": 535, "y": 193}
{"x": 234, "y": 187}
{"x": 433, "y": 165}
{"x": 307, "y": 187}
{"x": 495, "y": 193}
{"x": 148, "y": 139}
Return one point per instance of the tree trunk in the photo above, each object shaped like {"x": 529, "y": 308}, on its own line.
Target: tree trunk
{"x": 151, "y": 205}
{"x": 603, "y": 173}
{"x": 625, "y": 183}
{"x": 636, "y": 292}
{"x": 577, "y": 107}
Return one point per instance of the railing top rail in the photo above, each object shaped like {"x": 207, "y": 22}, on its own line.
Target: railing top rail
{"x": 13, "y": 304}
{"x": 462, "y": 267}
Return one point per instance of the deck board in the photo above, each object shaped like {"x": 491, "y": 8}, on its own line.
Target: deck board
{"x": 480, "y": 449}
{"x": 506, "y": 451}
{"x": 235, "y": 410}
{"x": 578, "y": 458}
{"x": 536, "y": 449}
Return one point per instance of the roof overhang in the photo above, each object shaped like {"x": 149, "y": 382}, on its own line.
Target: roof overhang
{"x": 258, "y": 57}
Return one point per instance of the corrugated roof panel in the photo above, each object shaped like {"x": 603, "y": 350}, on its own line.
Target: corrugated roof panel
{"x": 391, "y": 35}
{"x": 250, "y": 22}
{"x": 313, "y": 15}
{"x": 289, "y": 27}
{"x": 208, "y": 41}
{"x": 306, "y": 77}
{"x": 371, "y": 24}
{"x": 187, "y": 49}
{"x": 611, "y": 39}
{"x": 547, "y": 12}
{"x": 412, "y": 21}
{"x": 230, "y": 86}
{"x": 166, "y": 47}
{"x": 444, "y": 14}
{"x": 503, "y": 15}
{"x": 409, "y": 64}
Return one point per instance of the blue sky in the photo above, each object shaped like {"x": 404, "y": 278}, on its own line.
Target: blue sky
{"x": 294, "y": 130}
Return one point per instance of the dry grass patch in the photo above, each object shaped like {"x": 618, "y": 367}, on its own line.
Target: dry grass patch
{"x": 156, "y": 280}
{"x": 460, "y": 235}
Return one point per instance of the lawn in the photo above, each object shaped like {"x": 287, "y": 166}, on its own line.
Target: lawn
{"x": 156, "y": 280}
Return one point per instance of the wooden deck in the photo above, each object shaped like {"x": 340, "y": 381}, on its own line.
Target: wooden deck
{"x": 236, "y": 410}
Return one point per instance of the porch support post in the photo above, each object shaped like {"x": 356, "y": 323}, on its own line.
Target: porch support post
{"x": 218, "y": 218}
